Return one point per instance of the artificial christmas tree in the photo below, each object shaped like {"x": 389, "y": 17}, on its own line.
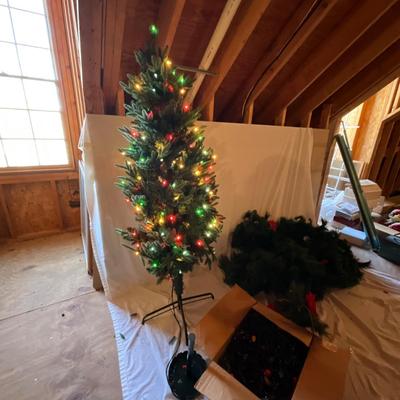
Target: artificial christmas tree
{"x": 169, "y": 175}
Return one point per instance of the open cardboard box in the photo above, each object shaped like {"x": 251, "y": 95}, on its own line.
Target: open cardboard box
{"x": 323, "y": 374}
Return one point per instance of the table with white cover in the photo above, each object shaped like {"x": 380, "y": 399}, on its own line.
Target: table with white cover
{"x": 266, "y": 168}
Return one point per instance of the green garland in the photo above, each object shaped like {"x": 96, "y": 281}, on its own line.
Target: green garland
{"x": 293, "y": 262}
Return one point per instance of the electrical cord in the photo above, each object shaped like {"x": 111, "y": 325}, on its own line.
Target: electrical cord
{"x": 303, "y": 21}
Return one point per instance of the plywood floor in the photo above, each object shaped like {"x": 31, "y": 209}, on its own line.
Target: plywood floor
{"x": 56, "y": 336}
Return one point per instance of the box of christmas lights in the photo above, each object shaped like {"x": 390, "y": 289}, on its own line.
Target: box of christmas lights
{"x": 256, "y": 353}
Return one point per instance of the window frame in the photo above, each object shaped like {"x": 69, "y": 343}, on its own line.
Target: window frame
{"x": 61, "y": 26}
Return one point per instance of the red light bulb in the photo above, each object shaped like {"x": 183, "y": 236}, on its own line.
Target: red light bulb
{"x": 178, "y": 239}
{"x": 171, "y": 218}
{"x": 169, "y": 136}
{"x": 200, "y": 243}
{"x": 170, "y": 88}
{"x": 135, "y": 133}
{"x": 164, "y": 183}
{"x": 186, "y": 107}
{"x": 150, "y": 115}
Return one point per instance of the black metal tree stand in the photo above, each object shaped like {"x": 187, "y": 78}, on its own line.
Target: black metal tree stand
{"x": 186, "y": 367}
{"x": 178, "y": 303}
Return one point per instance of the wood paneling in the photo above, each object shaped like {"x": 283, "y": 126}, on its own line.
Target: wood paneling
{"x": 68, "y": 193}
{"x": 31, "y": 208}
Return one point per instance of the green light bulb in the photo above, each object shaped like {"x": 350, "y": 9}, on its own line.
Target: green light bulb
{"x": 181, "y": 80}
{"x": 199, "y": 212}
{"x": 153, "y": 29}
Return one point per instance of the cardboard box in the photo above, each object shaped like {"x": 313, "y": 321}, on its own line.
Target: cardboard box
{"x": 323, "y": 374}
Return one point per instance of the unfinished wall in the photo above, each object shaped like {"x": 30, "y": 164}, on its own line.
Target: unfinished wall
{"x": 32, "y": 209}
{"x": 375, "y": 108}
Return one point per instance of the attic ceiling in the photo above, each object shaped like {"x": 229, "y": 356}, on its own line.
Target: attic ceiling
{"x": 280, "y": 61}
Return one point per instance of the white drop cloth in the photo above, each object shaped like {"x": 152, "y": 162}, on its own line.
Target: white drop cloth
{"x": 259, "y": 167}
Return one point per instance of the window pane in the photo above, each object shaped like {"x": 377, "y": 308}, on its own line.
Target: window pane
{"x": 52, "y": 152}
{"x": 3, "y": 2}
{"x": 14, "y": 124}
{"x": 11, "y": 93}
{"x": 30, "y": 5}
{"x": 6, "y": 33}
{"x": 3, "y": 162}
{"x": 47, "y": 125}
{"x": 30, "y": 28}
{"x": 41, "y": 95}
{"x": 20, "y": 153}
{"x": 36, "y": 62}
{"x": 9, "y": 59}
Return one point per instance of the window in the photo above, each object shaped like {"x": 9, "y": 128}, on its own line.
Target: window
{"x": 32, "y": 132}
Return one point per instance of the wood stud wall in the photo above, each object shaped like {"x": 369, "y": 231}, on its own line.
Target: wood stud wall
{"x": 385, "y": 165}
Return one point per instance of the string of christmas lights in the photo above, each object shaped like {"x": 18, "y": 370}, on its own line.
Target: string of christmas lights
{"x": 169, "y": 176}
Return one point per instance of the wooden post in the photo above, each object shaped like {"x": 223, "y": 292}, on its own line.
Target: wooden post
{"x": 208, "y": 112}
{"x": 280, "y": 118}
{"x": 323, "y": 122}
{"x": 248, "y": 114}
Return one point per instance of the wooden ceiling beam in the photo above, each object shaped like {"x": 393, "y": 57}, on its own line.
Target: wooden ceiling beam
{"x": 362, "y": 16}
{"x": 234, "y": 106}
{"x": 380, "y": 72}
{"x": 310, "y": 25}
{"x": 114, "y": 25}
{"x": 234, "y": 42}
{"x": 374, "y": 42}
{"x": 168, "y": 19}
{"x": 218, "y": 35}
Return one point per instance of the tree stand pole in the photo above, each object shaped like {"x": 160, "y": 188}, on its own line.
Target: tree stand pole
{"x": 179, "y": 303}
{"x": 178, "y": 287}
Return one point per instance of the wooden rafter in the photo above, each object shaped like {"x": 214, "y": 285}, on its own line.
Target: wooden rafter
{"x": 235, "y": 106}
{"x": 220, "y": 30}
{"x": 316, "y": 18}
{"x": 374, "y": 77}
{"x": 375, "y": 41}
{"x": 363, "y": 15}
{"x": 114, "y": 25}
{"x": 234, "y": 42}
{"x": 168, "y": 18}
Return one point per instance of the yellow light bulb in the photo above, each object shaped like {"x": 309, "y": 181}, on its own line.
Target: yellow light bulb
{"x": 161, "y": 220}
{"x": 138, "y": 86}
{"x": 168, "y": 62}
{"x": 214, "y": 157}
{"x": 211, "y": 193}
{"x": 137, "y": 253}
{"x": 139, "y": 178}
{"x": 196, "y": 129}
{"x": 123, "y": 153}
{"x": 181, "y": 166}
{"x": 182, "y": 91}
{"x": 129, "y": 162}
{"x": 138, "y": 209}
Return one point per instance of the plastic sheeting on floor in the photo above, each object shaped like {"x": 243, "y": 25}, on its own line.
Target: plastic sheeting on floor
{"x": 259, "y": 167}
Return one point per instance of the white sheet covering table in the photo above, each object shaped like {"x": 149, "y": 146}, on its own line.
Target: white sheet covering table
{"x": 263, "y": 168}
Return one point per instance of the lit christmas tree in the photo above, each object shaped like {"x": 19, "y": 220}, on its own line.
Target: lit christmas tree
{"x": 169, "y": 175}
